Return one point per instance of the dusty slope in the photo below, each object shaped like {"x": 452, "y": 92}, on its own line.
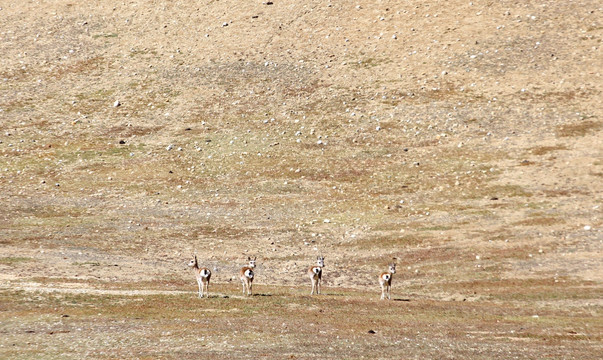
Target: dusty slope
{"x": 502, "y": 100}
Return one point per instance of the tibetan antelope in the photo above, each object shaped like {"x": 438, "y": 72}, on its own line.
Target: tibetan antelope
{"x": 315, "y": 273}
{"x": 385, "y": 280}
{"x": 203, "y": 275}
{"x": 246, "y": 274}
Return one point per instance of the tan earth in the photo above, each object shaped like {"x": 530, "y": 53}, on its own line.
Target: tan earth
{"x": 463, "y": 139}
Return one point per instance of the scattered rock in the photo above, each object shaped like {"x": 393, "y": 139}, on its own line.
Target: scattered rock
{"x": 371, "y": 332}
{"x": 116, "y": 103}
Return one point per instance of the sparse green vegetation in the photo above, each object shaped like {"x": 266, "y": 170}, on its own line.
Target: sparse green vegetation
{"x": 109, "y": 35}
{"x": 12, "y": 260}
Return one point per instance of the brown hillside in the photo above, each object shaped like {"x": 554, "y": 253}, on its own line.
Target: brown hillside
{"x": 461, "y": 138}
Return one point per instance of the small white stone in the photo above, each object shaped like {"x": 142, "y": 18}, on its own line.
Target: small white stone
{"x": 477, "y": 257}
{"x": 326, "y": 221}
{"x": 587, "y": 228}
{"x": 116, "y": 103}
{"x": 169, "y": 147}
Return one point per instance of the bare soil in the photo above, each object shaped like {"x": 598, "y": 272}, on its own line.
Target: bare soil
{"x": 462, "y": 139}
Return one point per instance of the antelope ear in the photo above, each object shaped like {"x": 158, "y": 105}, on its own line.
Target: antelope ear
{"x": 254, "y": 258}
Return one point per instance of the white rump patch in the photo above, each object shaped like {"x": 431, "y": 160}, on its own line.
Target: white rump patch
{"x": 386, "y": 277}
{"x": 316, "y": 270}
{"x": 249, "y": 274}
{"x": 204, "y": 273}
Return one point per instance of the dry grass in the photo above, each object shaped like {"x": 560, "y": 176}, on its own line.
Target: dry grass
{"x": 579, "y": 129}
{"x": 543, "y": 150}
{"x": 282, "y": 321}
{"x": 540, "y": 221}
